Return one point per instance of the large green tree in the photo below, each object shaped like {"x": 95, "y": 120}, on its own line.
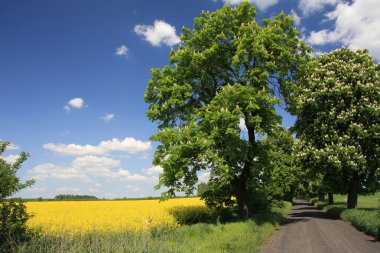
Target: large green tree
{"x": 227, "y": 69}
{"x": 338, "y": 121}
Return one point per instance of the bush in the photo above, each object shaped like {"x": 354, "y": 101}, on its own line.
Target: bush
{"x": 200, "y": 214}
{"x": 13, "y": 229}
{"x": 364, "y": 220}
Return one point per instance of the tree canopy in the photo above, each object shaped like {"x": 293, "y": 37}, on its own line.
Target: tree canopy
{"x": 228, "y": 69}
{"x": 338, "y": 122}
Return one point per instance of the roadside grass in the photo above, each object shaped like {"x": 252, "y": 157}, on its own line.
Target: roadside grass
{"x": 366, "y": 217}
{"x": 212, "y": 235}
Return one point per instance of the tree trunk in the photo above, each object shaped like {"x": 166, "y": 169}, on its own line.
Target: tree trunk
{"x": 331, "y": 198}
{"x": 353, "y": 188}
{"x": 321, "y": 196}
{"x": 244, "y": 208}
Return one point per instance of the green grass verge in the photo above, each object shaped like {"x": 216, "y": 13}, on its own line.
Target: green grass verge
{"x": 366, "y": 217}
{"x": 236, "y": 236}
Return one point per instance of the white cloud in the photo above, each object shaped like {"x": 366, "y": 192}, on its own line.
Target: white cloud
{"x": 129, "y": 144}
{"x": 94, "y": 166}
{"x": 161, "y": 33}
{"x": 49, "y": 170}
{"x": 295, "y": 17}
{"x": 356, "y": 26}
{"x": 66, "y": 189}
{"x": 10, "y": 158}
{"x": 92, "y": 190}
{"x": 87, "y": 168}
{"x": 242, "y": 125}
{"x": 108, "y": 117}
{"x": 154, "y": 170}
{"x": 121, "y": 51}
{"x": 311, "y": 6}
{"x": 204, "y": 177}
{"x": 74, "y": 149}
{"x": 261, "y": 4}
{"x": 136, "y": 177}
{"x": 74, "y": 103}
{"x": 133, "y": 188}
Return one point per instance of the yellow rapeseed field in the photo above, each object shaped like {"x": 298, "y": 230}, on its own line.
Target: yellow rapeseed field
{"x": 75, "y": 217}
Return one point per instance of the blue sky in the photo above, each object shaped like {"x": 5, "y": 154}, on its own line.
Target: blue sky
{"x": 73, "y": 75}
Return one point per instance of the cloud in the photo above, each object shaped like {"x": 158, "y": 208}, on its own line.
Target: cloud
{"x": 161, "y": 33}
{"x": 49, "y": 170}
{"x": 204, "y": 177}
{"x": 66, "y": 189}
{"x": 154, "y": 170}
{"x": 98, "y": 167}
{"x": 356, "y": 26}
{"x": 10, "y": 159}
{"x": 121, "y": 51}
{"x": 261, "y": 4}
{"x": 242, "y": 125}
{"x": 108, "y": 117}
{"x": 74, "y": 149}
{"x": 129, "y": 145}
{"x": 133, "y": 188}
{"x": 295, "y": 17}
{"x": 311, "y": 6}
{"x": 74, "y": 103}
{"x": 87, "y": 168}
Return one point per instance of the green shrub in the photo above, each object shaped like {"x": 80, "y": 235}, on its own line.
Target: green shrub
{"x": 365, "y": 218}
{"x": 193, "y": 214}
{"x": 367, "y": 221}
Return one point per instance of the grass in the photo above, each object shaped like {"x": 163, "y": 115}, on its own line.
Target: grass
{"x": 210, "y": 236}
{"x": 366, "y": 217}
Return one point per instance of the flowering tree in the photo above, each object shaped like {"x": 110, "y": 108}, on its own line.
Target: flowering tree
{"x": 228, "y": 68}
{"x": 338, "y": 121}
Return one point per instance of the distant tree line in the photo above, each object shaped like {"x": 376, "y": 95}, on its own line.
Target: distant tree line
{"x": 73, "y": 197}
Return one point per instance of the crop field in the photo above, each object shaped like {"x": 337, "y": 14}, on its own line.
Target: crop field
{"x": 79, "y": 217}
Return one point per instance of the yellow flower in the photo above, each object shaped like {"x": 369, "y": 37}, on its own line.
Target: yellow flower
{"x": 78, "y": 217}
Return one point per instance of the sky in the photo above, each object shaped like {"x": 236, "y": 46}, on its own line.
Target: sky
{"x": 73, "y": 75}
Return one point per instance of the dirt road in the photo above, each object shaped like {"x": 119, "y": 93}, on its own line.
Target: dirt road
{"x": 308, "y": 230}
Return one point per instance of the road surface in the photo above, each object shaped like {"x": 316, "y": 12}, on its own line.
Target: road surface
{"x": 308, "y": 230}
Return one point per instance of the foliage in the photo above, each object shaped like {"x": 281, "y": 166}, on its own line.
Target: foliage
{"x": 201, "y": 188}
{"x": 285, "y": 180}
{"x": 338, "y": 121}
{"x": 227, "y": 69}
{"x": 13, "y": 215}
{"x": 74, "y": 197}
{"x": 193, "y": 215}
{"x": 364, "y": 220}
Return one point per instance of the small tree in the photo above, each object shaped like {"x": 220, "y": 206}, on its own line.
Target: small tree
{"x": 338, "y": 121}
{"x": 13, "y": 215}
